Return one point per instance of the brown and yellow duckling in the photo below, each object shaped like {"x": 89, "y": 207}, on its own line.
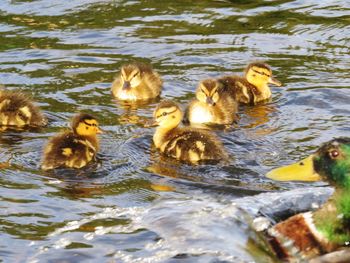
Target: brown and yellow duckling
{"x": 137, "y": 82}
{"x": 184, "y": 144}
{"x": 75, "y": 148}
{"x": 17, "y": 110}
{"x": 306, "y": 235}
{"x": 213, "y": 104}
{"x": 253, "y": 87}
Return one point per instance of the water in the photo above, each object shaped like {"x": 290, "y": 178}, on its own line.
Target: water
{"x": 133, "y": 205}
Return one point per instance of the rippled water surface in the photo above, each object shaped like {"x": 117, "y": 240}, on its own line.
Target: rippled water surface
{"x": 132, "y": 205}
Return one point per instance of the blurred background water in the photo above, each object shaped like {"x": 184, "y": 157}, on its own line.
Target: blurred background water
{"x": 133, "y": 205}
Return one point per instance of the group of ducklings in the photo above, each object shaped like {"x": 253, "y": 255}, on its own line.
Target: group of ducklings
{"x": 216, "y": 102}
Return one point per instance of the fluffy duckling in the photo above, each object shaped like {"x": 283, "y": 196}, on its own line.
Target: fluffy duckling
{"x": 17, "y": 110}
{"x": 74, "y": 148}
{"x": 253, "y": 87}
{"x": 185, "y": 144}
{"x": 310, "y": 234}
{"x": 137, "y": 82}
{"x": 213, "y": 104}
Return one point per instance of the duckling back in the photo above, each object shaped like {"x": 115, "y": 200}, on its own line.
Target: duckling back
{"x": 193, "y": 146}
{"x": 137, "y": 82}
{"x": 16, "y": 109}
{"x": 213, "y": 104}
{"x": 68, "y": 150}
{"x": 241, "y": 90}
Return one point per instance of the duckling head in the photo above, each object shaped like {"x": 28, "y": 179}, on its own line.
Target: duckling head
{"x": 85, "y": 125}
{"x": 167, "y": 115}
{"x": 208, "y": 91}
{"x": 260, "y": 75}
{"x": 131, "y": 76}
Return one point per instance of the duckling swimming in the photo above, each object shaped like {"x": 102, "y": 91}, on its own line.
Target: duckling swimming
{"x": 310, "y": 234}
{"x": 213, "y": 104}
{"x": 17, "y": 110}
{"x": 137, "y": 82}
{"x": 253, "y": 87}
{"x": 184, "y": 144}
{"x": 75, "y": 148}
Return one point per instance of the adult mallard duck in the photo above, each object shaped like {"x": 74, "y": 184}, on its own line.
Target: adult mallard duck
{"x": 309, "y": 234}
{"x": 185, "y": 144}
{"x": 253, "y": 87}
{"x": 17, "y": 110}
{"x": 212, "y": 105}
{"x": 137, "y": 82}
{"x": 75, "y": 148}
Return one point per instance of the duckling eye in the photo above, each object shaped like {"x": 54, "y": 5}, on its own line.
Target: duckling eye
{"x": 87, "y": 127}
{"x": 164, "y": 114}
{"x": 333, "y": 154}
{"x": 135, "y": 74}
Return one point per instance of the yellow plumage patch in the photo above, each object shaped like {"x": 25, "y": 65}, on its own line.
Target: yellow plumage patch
{"x": 200, "y": 145}
{"x": 67, "y": 151}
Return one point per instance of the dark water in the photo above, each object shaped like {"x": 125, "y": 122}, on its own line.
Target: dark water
{"x": 66, "y": 54}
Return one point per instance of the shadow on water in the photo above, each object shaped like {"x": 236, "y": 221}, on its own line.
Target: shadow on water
{"x": 133, "y": 204}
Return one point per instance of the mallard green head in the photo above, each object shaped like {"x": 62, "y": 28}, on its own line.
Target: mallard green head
{"x": 331, "y": 163}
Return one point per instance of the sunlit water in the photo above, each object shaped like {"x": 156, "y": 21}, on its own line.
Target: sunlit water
{"x": 66, "y": 54}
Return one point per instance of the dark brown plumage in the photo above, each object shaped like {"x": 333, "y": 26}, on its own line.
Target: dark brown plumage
{"x": 74, "y": 148}
{"x": 17, "y": 109}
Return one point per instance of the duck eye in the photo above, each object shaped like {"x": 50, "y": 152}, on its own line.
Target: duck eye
{"x": 87, "y": 127}
{"x": 164, "y": 114}
{"x": 333, "y": 154}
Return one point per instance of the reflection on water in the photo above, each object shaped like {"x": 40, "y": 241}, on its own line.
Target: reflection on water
{"x": 129, "y": 205}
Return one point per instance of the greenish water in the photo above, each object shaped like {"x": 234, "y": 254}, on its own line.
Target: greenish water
{"x": 66, "y": 54}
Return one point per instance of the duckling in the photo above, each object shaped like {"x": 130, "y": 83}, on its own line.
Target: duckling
{"x": 17, "y": 110}
{"x": 184, "y": 144}
{"x": 310, "y": 234}
{"x": 213, "y": 104}
{"x": 253, "y": 87}
{"x": 75, "y": 148}
{"x": 137, "y": 82}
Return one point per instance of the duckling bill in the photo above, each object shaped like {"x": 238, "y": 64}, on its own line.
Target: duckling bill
{"x": 213, "y": 104}
{"x": 16, "y": 109}
{"x": 137, "y": 82}
{"x": 184, "y": 144}
{"x": 253, "y": 87}
{"x": 75, "y": 148}
{"x": 306, "y": 235}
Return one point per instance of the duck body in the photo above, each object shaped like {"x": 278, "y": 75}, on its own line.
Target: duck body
{"x": 253, "y": 87}
{"x": 17, "y": 110}
{"x": 184, "y": 144}
{"x": 306, "y": 235}
{"x": 74, "y": 149}
{"x": 213, "y": 105}
{"x": 137, "y": 82}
